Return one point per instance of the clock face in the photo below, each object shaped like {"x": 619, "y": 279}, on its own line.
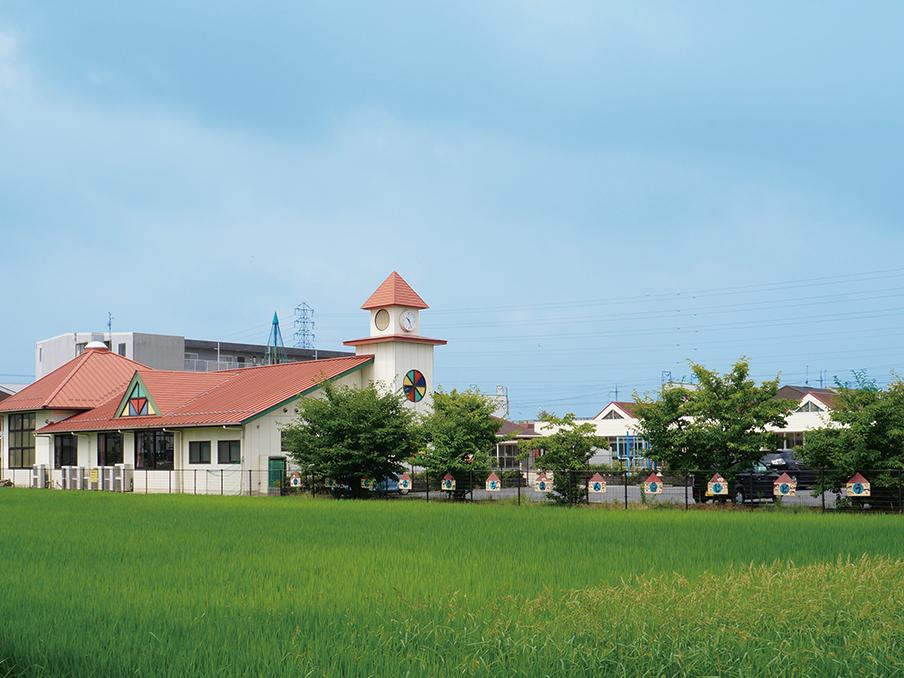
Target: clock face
{"x": 381, "y": 319}
{"x": 408, "y": 321}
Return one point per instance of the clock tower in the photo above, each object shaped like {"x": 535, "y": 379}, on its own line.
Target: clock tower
{"x": 403, "y": 359}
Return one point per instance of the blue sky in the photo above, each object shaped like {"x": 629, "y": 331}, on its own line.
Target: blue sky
{"x": 587, "y": 194}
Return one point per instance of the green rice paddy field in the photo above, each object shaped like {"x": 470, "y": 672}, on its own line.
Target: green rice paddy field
{"x": 104, "y": 585}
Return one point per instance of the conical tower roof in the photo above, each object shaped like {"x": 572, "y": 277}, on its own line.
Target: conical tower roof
{"x": 394, "y": 291}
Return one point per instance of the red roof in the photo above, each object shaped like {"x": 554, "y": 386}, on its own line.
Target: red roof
{"x": 624, "y": 406}
{"x": 507, "y": 428}
{"x": 411, "y": 338}
{"x": 653, "y": 478}
{"x": 824, "y": 395}
{"x": 857, "y": 478}
{"x": 596, "y": 478}
{"x": 394, "y": 291}
{"x": 212, "y": 398}
{"x": 784, "y": 478}
{"x": 717, "y": 479}
{"x": 84, "y": 382}
{"x": 493, "y": 476}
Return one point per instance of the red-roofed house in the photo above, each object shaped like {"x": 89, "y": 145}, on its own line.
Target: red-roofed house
{"x": 174, "y": 428}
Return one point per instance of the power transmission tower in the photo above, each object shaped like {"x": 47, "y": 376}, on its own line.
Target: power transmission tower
{"x": 276, "y": 349}
{"x": 304, "y": 326}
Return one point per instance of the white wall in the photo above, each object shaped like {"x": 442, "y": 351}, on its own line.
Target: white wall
{"x": 394, "y": 327}
{"x": 393, "y": 359}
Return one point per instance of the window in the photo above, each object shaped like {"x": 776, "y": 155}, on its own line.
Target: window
{"x": 109, "y": 449}
{"x": 80, "y": 348}
{"x": 505, "y": 455}
{"x": 154, "y": 450}
{"x": 229, "y": 452}
{"x": 22, "y": 440}
{"x": 788, "y": 441}
{"x": 121, "y": 349}
{"x": 809, "y": 406}
{"x": 65, "y": 450}
{"x": 613, "y": 415}
{"x": 40, "y": 354}
{"x": 199, "y": 452}
{"x": 284, "y": 441}
{"x": 626, "y": 447}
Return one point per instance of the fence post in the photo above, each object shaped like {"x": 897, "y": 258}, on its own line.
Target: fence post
{"x": 750, "y": 488}
{"x": 250, "y": 480}
{"x": 625, "y": 479}
{"x": 686, "y": 477}
{"x": 822, "y": 488}
{"x": 313, "y": 487}
{"x": 427, "y": 479}
{"x": 195, "y": 483}
{"x": 169, "y": 481}
{"x": 571, "y": 488}
{"x": 145, "y": 481}
{"x": 900, "y": 503}
{"x": 221, "y": 482}
{"x": 519, "y": 487}
{"x": 472, "y": 485}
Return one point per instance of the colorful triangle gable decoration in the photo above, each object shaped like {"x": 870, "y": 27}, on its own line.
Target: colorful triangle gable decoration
{"x": 138, "y": 404}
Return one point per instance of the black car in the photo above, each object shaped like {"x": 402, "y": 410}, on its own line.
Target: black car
{"x": 749, "y": 484}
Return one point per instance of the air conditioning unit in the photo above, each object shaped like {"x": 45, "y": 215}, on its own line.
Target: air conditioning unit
{"x": 39, "y": 475}
{"x": 123, "y": 480}
{"x": 106, "y": 478}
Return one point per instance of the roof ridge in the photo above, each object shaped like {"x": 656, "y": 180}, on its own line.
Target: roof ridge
{"x": 240, "y": 370}
{"x": 234, "y": 374}
{"x": 75, "y": 364}
{"x": 85, "y": 356}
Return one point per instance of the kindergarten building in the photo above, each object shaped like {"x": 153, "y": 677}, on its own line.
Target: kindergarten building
{"x": 102, "y": 420}
{"x": 618, "y": 423}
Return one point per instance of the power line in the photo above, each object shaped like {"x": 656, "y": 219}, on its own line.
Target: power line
{"x": 820, "y": 281}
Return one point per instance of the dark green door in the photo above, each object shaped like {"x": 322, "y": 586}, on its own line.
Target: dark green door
{"x": 277, "y": 472}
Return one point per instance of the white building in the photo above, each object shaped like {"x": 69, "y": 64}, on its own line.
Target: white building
{"x": 103, "y": 418}
{"x": 618, "y": 423}
{"x": 165, "y": 352}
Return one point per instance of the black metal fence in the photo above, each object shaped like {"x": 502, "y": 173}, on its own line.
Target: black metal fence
{"x": 822, "y": 489}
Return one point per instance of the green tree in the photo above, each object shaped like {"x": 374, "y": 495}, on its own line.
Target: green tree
{"x": 865, "y": 434}
{"x": 566, "y": 449}
{"x": 460, "y": 433}
{"x": 719, "y": 424}
{"x": 351, "y": 434}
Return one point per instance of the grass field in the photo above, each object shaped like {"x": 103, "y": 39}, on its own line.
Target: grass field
{"x": 101, "y": 584}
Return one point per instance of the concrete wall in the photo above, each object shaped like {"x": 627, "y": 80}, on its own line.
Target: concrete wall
{"x": 160, "y": 351}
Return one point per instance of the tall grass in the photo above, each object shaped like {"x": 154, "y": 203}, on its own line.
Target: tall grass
{"x": 99, "y": 584}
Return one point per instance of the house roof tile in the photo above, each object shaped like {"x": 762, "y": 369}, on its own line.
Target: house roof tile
{"x": 212, "y": 398}
{"x": 394, "y": 291}
{"x": 84, "y": 382}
